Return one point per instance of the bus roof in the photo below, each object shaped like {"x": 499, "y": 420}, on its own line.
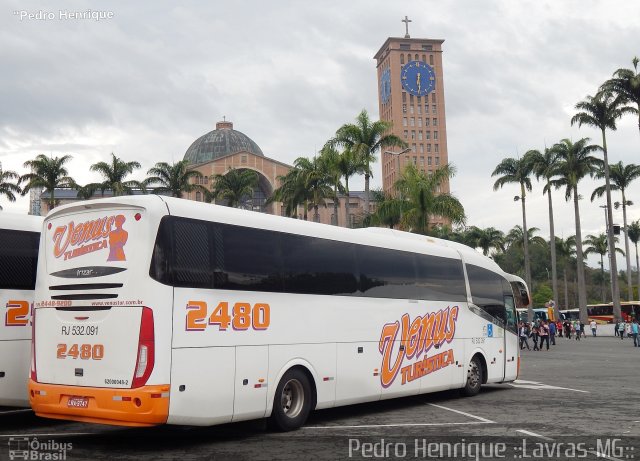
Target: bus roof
{"x": 22, "y": 222}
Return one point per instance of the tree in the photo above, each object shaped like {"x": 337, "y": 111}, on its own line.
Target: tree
{"x": 234, "y": 186}
{"x": 597, "y": 244}
{"x": 364, "y": 138}
{"x": 49, "y": 173}
{"x": 348, "y": 166}
{"x": 626, "y": 85}
{"x": 545, "y": 166}
{"x": 291, "y": 193}
{"x": 575, "y": 163}
{"x": 113, "y": 175}
{"x": 633, "y": 231}
{"x": 423, "y": 198}
{"x": 388, "y": 212}
{"x": 518, "y": 171}
{"x": 621, "y": 178}
{"x": 331, "y": 159}
{"x": 8, "y": 187}
{"x": 175, "y": 179}
{"x": 317, "y": 183}
{"x": 487, "y": 239}
{"x": 565, "y": 250}
{"x": 515, "y": 237}
{"x": 601, "y": 112}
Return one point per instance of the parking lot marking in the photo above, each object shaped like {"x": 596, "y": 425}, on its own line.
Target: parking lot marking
{"x": 533, "y": 434}
{"x": 541, "y": 386}
{"x": 10, "y": 412}
{"x": 469, "y": 415}
{"x": 370, "y": 426}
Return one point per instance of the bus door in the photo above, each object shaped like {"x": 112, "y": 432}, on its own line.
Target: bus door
{"x": 510, "y": 339}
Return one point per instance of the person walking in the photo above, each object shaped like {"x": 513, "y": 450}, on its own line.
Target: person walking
{"x": 552, "y": 333}
{"x": 634, "y": 332}
{"x": 615, "y": 329}
{"x": 627, "y": 329}
{"x": 594, "y": 327}
{"x": 621, "y": 329}
{"x": 543, "y": 331}
{"x": 567, "y": 329}
{"x": 559, "y": 327}
{"x": 534, "y": 336}
{"x": 582, "y": 330}
{"x": 577, "y": 328}
{"x": 523, "y": 332}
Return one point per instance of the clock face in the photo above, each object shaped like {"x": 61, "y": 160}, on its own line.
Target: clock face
{"x": 385, "y": 86}
{"x": 418, "y": 78}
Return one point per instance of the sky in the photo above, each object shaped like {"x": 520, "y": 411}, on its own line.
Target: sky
{"x": 149, "y": 78}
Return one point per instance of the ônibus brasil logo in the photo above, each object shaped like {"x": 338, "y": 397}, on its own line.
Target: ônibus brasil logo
{"x": 73, "y": 240}
{"x": 418, "y": 337}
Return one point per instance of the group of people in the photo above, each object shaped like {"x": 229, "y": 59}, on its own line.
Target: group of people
{"x": 543, "y": 332}
{"x": 631, "y": 328}
{"x": 540, "y": 331}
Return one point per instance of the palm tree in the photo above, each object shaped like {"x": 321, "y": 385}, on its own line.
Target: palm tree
{"x": 597, "y": 244}
{"x": 515, "y": 237}
{"x": 388, "y": 212}
{"x": 423, "y": 199}
{"x": 601, "y": 112}
{"x": 48, "y": 173}
{"x": 317, "y": 183}
{"x": 626, "y": 84}
{"x": 348, "y": 166}
{"x": 634, "y": 235}
{"x": 621, "y": 178}
{"x": 8, "y": 188}
{"x": 565, "y": 250}
{"x": 511, "y": 170}
{"x": 291, "y": 193}
{"x": 175, "y": 179}
{"x": 234, "y": 186}
{"x": 576, "y": 162}
{"x": 113, "y": 175}
{"x": 487, "y": 239}
{"x": 365, "y": 138}
{"x": 545, "y": 166}
{"x": 331, "y": 160}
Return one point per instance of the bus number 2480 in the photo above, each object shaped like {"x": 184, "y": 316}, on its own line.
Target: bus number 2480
{"x": 242, "y": 316}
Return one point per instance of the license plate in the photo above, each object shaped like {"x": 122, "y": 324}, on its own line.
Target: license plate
{"x": 78, "y": 402}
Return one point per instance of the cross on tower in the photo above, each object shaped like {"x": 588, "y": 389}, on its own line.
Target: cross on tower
{"x": 406, "y": 21}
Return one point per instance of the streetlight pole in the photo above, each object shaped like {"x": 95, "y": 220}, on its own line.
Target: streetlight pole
{"x": 397, "y": 156}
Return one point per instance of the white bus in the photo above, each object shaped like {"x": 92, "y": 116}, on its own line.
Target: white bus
{"x": 154, "y": 310}
{"x": 19, "y": 239}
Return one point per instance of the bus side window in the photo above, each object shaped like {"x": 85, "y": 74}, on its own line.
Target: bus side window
{"x": 511, "y": 315}
{"x": 486, "y": 291}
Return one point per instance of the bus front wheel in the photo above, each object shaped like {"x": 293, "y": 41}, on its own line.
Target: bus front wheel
{"x": 292, "y": 401}
{"x": 474, "y": 378}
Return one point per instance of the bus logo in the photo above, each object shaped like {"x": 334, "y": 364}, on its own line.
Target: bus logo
{"x": 418, "y": 337}
{"x": 490, "y": 330}
{"x": 73, "y": 240}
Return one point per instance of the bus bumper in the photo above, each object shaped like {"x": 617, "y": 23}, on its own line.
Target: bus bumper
{"x": 144, "y": 406}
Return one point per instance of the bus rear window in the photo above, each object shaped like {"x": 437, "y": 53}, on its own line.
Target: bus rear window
{"x": 18, "y": 259}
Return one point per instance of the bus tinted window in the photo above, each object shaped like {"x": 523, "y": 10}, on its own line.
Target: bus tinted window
{"x": 192, "y": 266}
{"x": 247, "y": 259}
{"x": 319, "y": 266}
{"x": 440, "y": 279}
{"x": 387, "y": 273}
{"x": 487, "y": 291}
{"x": 18, "y": 259}
{"x": 200, "y": 254}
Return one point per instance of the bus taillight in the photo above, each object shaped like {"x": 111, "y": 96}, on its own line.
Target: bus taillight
{"x": 146, "y": 353}
{"x": 34, "y": 374}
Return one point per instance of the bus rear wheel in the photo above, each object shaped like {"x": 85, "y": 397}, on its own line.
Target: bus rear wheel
{"x": 292, "y": 401}
{"x": 474, "y": 378}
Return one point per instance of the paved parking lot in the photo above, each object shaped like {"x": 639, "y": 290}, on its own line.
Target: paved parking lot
{"x": 583, "y": 392}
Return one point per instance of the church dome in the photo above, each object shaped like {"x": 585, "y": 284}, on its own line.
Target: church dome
{"x": 222, "y": 141}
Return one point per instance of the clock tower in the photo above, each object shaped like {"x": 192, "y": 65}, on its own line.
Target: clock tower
{"x": 411, "y": 96}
